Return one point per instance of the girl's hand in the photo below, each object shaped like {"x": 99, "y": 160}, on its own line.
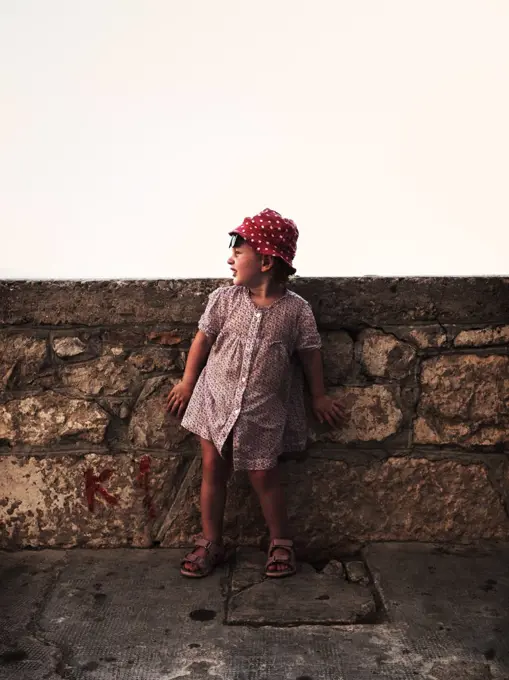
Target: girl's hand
{"x": 328, "y": 409}
{"x": 178, "y": 398}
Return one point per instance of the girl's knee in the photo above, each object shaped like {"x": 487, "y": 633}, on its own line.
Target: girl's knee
{"x": 213, "y": 466}
{"x": 263, "y": 479}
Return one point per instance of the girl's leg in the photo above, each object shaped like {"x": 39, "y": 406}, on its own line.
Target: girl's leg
{"x": 215, "y": 473}
{"x": 268, "y": 488}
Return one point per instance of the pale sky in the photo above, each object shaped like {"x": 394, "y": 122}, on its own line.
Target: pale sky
{"x": 136, "y": 133}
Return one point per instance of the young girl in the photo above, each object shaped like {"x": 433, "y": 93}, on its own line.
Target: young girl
{"x": 247, "y": 404}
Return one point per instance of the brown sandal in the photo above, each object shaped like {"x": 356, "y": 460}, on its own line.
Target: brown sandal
{"x": 289, "y": 561}
{"x": 215, "y": 555}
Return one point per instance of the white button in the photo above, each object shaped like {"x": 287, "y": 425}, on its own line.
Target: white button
{"x": 258, "y": 314}
{"x": 243, "y": 380}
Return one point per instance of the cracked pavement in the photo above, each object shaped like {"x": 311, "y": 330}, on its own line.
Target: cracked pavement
{"x": 420, "y": 611}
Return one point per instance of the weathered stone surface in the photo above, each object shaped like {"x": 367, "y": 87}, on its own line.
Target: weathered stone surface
{"x": 141, "y": 329}
{"x": 308, "y": 597}
{"x": 26, "y": 578}
{"x": 50, "y": 418}
{"x": 151, "y": 425}
{"x": 464, "y": 401}
{"x": 68, "y": 347}
{"x": 384, "y": 300}
{"x": 182, "y": 523}
{"x": 334, "y": 568}
{"x": 165, "y": 338}
{"x": 44, "y": 500}
{"x": 152, "y": 359}
{"x": 483, "y": 336}
{"x": 336, "y": 301}
{"x": 413, "y": 499}
{"x": 105, "y": 302}
{"x": 103, "y": 376}
{"x": 372, "y": 414}
{"x": 338, "y": 357}
{"x": 454, "y": 668}
{"x": 127, "y": 614}
{"x": 333, "y": 503}
{"x": 122, "y": 339}
{"x": 7, "y": 431}
{"x": 357, "y": 572}
{"x": 21, "y": 358}
{"x": 426, "y": 337}
{"x": 385, "y": 356}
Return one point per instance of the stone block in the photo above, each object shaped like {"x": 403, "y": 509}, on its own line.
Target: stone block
{"x": 357, "y": 572}
{"x": 165, "y": 338}
{"x": 463, "y": 401}
{"x": 482, "y": 337}
{"x": 45, "y": 501}
{"x": 338, "y": 356}
{"x": 332, "y": 503}
{"x": 384, "y": 356}
{"x": 151, "y": 359}
{"x": 101, "y": 377}
{"x": 306, "y": 598}
{"x": 68, "y": 346}
{"x": 93, "y": 303}
{"x": 372, "y": 414}
{"x": 51, "y": 418}
{"x": 430, "y": 336}
{"x": 337, "y": 302}
{"x": 21, "y": 358}
{"x": 334, "y": 568}
{"x": 151, "y": 425}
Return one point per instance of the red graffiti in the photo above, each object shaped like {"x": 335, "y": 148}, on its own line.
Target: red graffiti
{"x": 93, "y": 486}
{"x": 143, "y": 479}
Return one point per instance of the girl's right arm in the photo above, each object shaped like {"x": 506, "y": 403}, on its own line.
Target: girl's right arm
{"x": 179, "y": 396}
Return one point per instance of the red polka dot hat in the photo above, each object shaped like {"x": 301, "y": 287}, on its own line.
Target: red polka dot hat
{"x": 270, "y": 234}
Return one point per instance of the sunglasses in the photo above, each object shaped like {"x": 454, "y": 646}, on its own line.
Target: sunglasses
{"x": 235, "y": 239}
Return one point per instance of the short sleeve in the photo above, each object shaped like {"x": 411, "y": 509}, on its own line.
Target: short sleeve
{"x": 213, "y": 317}
{"x": 308, "y": 336}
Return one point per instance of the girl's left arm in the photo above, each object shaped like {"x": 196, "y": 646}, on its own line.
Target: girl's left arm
{"x": 324, "y": 407}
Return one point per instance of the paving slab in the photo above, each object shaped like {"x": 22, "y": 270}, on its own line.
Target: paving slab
{"x": 449, "y": 598}
{"x": 128, "y": 615}
{"x": 24, "y": 585}
{"x": 309, "y": 597}
{"x": 119, "y": 609}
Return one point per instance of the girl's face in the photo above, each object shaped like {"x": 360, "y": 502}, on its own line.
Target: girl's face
{"x": 246, "y": 265}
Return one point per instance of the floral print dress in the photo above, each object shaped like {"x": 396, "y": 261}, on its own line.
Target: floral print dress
{"x": 252, "y": 386}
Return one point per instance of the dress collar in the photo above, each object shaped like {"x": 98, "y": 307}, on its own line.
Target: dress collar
{"x": 248, "y": 296}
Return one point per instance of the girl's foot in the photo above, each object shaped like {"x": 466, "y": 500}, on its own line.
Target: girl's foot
{"x": 281, "y": 558}
{"x": 202, "y": 561}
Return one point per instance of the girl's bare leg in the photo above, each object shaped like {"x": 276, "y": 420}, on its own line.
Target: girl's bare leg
{"x": 268, "y": 488}
{"x": 215, "y": 474}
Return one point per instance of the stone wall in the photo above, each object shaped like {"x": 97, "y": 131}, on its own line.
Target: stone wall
{"x": 89, "y": 457}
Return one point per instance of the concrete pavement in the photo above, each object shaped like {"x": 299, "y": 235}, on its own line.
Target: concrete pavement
{"x": 397, "y": 611}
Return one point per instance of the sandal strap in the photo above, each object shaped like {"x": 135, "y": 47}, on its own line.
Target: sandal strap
{"x": 193, "y": 558}
{"x": 214, "y": 555}
{"x": 209, "y": 546}
{"x": 213, "y": 552}
{"x": 281, "y": 543}
{"x": 278, "y": 560}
